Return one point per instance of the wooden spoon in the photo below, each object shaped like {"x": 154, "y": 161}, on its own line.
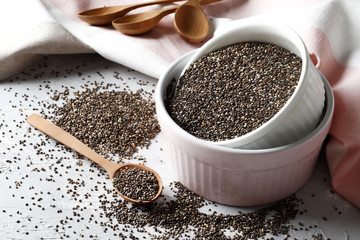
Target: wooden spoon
{"x": 105, "y": 15}
{"x": 191, "y": 22}
{"x": 70, "y": 141}
{"x": 141, "y": 23}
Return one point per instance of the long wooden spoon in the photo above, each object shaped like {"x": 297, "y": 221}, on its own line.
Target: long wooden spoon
{"x": 70, "y": 141}
{"x": 105, "y": 15}
{"x": 141, "y": 23}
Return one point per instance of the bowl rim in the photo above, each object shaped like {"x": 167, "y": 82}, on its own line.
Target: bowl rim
{"x": 160, "y": 98}
{"x": 266, "y": 28}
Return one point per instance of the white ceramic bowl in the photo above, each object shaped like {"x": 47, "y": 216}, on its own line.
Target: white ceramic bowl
{"x": 237, "y": 177}
{"x": 300, "y": 115}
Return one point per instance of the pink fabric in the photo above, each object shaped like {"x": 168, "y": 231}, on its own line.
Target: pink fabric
{"x": 343, "y": 148}
{"x": 330, "y": 31}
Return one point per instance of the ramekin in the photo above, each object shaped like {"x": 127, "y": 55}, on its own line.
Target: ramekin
{"x": 302, "y": 112}
{"x": 238, "y": 177}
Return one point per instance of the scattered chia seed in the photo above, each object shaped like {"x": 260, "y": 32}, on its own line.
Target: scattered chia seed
{"x": 234, "y": 90}
{"x": 40, "y": 180}
{"x": 135, "y": 183}
{"x": 182, "y": 218}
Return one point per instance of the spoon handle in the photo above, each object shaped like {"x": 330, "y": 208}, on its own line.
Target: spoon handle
{"x": 68, "y": 140}
{"x": 203, "y": 2}
{"x": 144, "y": 4}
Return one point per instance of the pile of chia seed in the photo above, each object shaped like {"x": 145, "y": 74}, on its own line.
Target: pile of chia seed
{"x": 109, "y": 122}
{"x": 135, "y": 183}
{"x": 234, "y": 90}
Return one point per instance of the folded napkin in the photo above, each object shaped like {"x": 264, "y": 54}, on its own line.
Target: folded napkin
{"x": 329, "y": 28}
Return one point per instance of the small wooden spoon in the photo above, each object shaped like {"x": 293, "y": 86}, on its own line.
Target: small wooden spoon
{"x": 191, "y": 22}
{"x": 105, "y": 15}
{"x": 141, "y": 23}
{"x": 70, "y": 141}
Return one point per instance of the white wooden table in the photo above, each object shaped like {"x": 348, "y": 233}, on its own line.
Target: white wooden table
{"x": 32, "y": 207}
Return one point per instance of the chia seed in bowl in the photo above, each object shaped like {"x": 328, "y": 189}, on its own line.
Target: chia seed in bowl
{"x": 234, "y": 90}
{"x": 228, "y": 98}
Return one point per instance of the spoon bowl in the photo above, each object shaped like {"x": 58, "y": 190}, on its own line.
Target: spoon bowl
{"x": 105, "y": 15}
{"x": 111, "y": 168}
{"x": 119, "y": 166}
{"x": 141, "y": 23}
{"x": 191, "y": 22}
